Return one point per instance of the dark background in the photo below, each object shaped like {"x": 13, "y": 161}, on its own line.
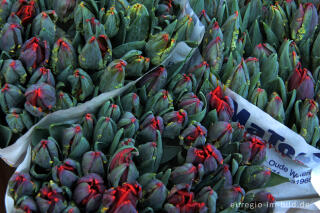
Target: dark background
{"x": 5, "y": 173}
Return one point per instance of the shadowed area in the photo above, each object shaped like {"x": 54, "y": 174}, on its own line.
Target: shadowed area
{"x": 5, "y": 173}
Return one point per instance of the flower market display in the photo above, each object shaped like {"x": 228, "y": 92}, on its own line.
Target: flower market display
{"x": 169, "y": 142}
{"x": 58, "y": 54}
{"x": 178, "y": 152}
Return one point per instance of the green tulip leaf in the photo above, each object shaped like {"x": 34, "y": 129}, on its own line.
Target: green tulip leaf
{"x": 276, "y": 179}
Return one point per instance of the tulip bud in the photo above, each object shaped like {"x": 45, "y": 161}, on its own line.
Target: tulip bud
{"x": 122, "y": 198}
{"x": 156, "y": 194}
{"x": 155, "y": 80}
{"x": 288, "y": 58}
{"x": 165, "y": 18}
{"x": 150, "y": 155}
{"x": 137, "y": 64}
{"x": 238, "y": 131}
{"x": 71, "y": 209}
{"x": 25, "y": 10}
{"x": 208, "y": 155}
{"x": 139, "y": 23}
{"x": 110, "y": 110}
{"x": 184, "y": 29}
{"x": 301, "y": 80}
{"x": 174, "y": 123}
{"x": 230, "y": 30}
{"x": 44, "y": 152}
{"x": 253, "y": 65}
{"x": 51, "y": 198}
{"x": 81, "y": 14}
{"x": 309, "y": 123}
{"x": 290, "y": 7}
{"x": 18, "y": 120}
{"x": 304, "y": 22}
{"x": 181, "y": 83}
{"x": 213, "y": 32}
{"x": 74, "y": 144}
{"x": 254, "y": 177}
{"x": 63, "y": 55}
{"x": 269, "y": 71}
{"x": 210, "y": 81}
{"x": 43, "y": 26}
{"x": 220, "y": 133}
{"x": 131, "y": 103}
{"x": 160, "y": 102}
{"x": 66, "y": 173}
{"x": 259, "y": 98}
{"x": 88, "y": 122}
{"x": 194, "y": 135}
{"x": 208, "y": 196}
{"x": 94, "y": 162}
{"x": 262, "y": 202}
{"x": 34, "y": 53}
{"x": 192, "y": 105}
{"x": 180, "y": 199}
{"x": 104, "y": 131}
{"x": 26, "y": 204}
{"x": 92, "y": 27}
{"x": 111, "y": 22}
{"x": 275, "y": 107}
{"x": 5, "y": 7}
{"x": 14, "y": 19}
{"x": 126, "y": 142}
{"x": 122, "y": 168}
{"x": 200, "y": 73}
{"x": 42, "y": 75}
{"x": 13, "y": 71}
{"x": 64, "y": 101}
{"x": 95, "y": 53}
{"x": 129, "y": 123}
{"x": 64, "y": 9}
{"x": 253, "y": 150}
{"x": 81, "y": 84}
{"x": 164, "y": 8}
{"x": 230, "y": 195}
{"x": 213, "y": 53}
{"x": 263, "y": 50}
{"x": 276, "y": 17}
{"x": 222, "y": 104}
{"x": 215, "y": 9}
{"x": 40, "y": 98}
{"x": 10, "y": 96}
{"x": 239, "y": 80}
{"x": 187, "y": 174}
{"x": 149, "y": 127}
{"x": 20, "y": 184}
{"x": 89, "y": 191}
{"x": 159, "y": 47}
{"x": 308, "y": 106}
{"x": 10, "y": 37}
{"x": 114, "y": 74}
{"x": 255, "y": 35}
{"x": 226, "y": 175}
